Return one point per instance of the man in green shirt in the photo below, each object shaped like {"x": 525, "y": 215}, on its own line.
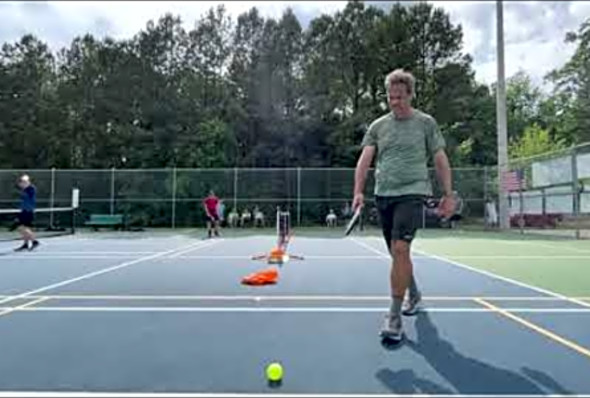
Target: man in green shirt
{"x": 402, "y": 141}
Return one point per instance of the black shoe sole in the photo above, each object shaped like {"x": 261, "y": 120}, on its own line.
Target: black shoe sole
{"x": 391, "y": 343}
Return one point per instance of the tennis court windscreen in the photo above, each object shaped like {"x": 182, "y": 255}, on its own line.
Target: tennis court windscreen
{"x": 48, "y": 222}
{"x": 283, "y": 228}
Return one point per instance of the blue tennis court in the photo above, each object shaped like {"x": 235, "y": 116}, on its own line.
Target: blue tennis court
{"x": 125, "y": 314}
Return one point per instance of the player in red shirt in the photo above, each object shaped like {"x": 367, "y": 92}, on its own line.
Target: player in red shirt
{"x": 210, "y": 203}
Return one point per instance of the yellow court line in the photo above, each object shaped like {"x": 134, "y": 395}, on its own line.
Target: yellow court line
{"x": 555, "y": 337}
{"x": 25, "y": 305}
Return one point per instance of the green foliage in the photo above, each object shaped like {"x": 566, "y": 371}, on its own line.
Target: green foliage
{"x": 534, "y": 141}
{"x": 258, "y": 91}
{"x": 572, "y": 89}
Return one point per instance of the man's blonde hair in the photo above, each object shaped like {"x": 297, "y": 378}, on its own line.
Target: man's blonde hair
{"x": 400, "y": 76}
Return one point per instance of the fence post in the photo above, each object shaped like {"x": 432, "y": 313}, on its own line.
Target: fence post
{"x": 521, "y": 205}
{"x": 575, "y": 189}
{"x": 52, "y": 197}
{"x": 174, "y": 197}
{"x": 112, "y": 190}
{"x": 298, "y": 196}
{"x": 485, "y": 183}
{"x": 235, "y": 187}
{"x": 485, "y": 195}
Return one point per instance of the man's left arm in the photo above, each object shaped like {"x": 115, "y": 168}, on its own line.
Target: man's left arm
{"x": 32, "y": 198}
{"x": 443, "y": 172}
{"x": 436, "y": 146}
{"x": 447, "y": 204}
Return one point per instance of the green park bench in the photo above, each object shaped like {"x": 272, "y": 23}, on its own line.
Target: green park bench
{"x": 105, "y": 220}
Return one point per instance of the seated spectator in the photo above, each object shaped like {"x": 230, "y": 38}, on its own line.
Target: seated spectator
{"x": 331, "y": 219}
{"x": 258, "y": 218}
{"x": 233, "y": 218}
{"x": 491, "y": 213}
{"x": 246, "y": 218}
{"x": 221, "y": 212}
{"x": 458, "y": 214}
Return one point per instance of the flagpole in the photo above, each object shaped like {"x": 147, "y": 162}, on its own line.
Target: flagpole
{"x": 504, "y": 216}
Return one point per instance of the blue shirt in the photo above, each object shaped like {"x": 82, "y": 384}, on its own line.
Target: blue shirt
{"x": 28, "y": 198}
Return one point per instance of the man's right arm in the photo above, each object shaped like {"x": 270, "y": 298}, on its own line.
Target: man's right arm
{"x": 360, "y": 175}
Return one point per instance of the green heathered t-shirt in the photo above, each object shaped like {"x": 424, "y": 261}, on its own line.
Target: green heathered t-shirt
{"x": 403, "y": 147}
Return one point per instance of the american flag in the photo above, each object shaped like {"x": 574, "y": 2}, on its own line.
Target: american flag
{"x": 513, "y": 180}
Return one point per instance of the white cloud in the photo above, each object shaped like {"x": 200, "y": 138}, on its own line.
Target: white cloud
{"x": 128, "y": 17}
{"x": 580, "y": 7}
{"x": 534, "y": 31}
{"x": 58, "y": 22}
{"x": 534, "y": 35}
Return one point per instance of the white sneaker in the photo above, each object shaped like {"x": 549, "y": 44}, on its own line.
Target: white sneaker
{"x": 412, "y": 306}
{"x": 392, "y": 328}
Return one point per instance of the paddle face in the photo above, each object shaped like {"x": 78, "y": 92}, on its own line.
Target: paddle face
{"x": 353, "y": 222}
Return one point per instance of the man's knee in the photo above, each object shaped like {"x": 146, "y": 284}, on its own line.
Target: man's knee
{"x": 401, "y": 249}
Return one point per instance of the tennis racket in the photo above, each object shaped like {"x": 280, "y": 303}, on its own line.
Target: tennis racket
{"x": 356, "y": 217}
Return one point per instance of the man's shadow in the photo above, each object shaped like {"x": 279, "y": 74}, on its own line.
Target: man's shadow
{"x": 465, "y": 375}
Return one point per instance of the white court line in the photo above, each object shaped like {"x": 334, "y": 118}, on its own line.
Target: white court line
{"x": 105, "y": 252}
{"x": 516, "y": 257}
{"x": 278, "y": 298}
{"x": 7, "y": 311}
{"x": 312, "y": 310}
{"x": 483, "y": 272}
{"x": 100, "y": 272}
{"x": 534, "y": 243}
{"x": 86, "y": 394}
{"x": 106, "y": 255}
{"x": 181, "y": 252}
{"x": 245, "y": 257}
{"x": 44, "y": 257}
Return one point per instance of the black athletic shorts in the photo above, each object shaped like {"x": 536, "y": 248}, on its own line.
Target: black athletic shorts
{"x": 213, "y": 217}
{"x": 400, "y": 216}
{"x": 26, "y": 218}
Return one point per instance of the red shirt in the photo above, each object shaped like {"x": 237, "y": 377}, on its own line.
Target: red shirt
{"x": 211, "y": 204}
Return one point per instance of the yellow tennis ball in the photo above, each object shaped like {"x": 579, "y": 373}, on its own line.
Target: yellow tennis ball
{"x": 274, "y": 371}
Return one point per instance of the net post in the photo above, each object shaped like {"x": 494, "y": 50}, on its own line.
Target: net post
{"x": 112, "y": 201}
{"x": 52, "y": 196}
{"x": 75, "y": 206}
{"x": 278, "y": 222}
{"x": 174, "y": 197}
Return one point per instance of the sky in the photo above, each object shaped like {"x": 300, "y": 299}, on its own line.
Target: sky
{"x": 534, "y": 31}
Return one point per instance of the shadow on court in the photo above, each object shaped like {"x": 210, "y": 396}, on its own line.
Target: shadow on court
{"x": 466, "y": 375}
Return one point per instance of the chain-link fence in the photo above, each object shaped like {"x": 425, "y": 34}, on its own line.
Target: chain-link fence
{"x": 550, "y": 193}
{"x": 546, "y": 196}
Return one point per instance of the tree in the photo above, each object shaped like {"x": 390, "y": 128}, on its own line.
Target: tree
{"x": 30, "y": 118}
{"x": 534, "y": 141}
{"x": 268, "y": 91}
{"x": 573, "y": 81}
{"x": 522, "y": 104}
